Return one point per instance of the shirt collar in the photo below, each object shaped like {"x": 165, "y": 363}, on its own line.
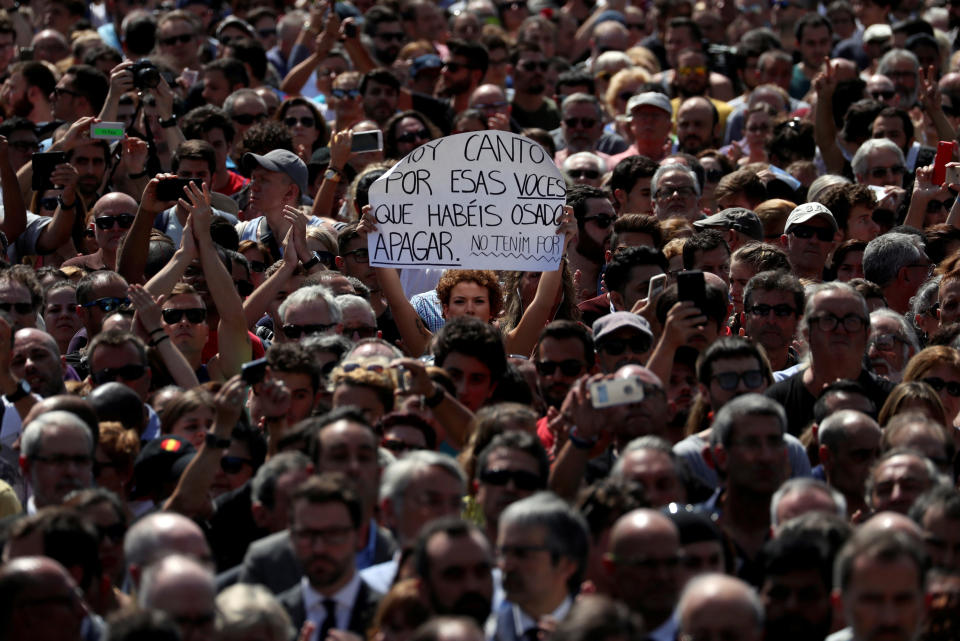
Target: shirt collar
{"x": 523, "y": 621}
{"x": 345, "y": 596}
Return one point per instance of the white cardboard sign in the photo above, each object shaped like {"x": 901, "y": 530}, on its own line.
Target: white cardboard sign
{"x": 476, "y": 200}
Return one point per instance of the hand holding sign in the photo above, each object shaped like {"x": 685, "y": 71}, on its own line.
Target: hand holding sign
{"x": 479, "y": 200}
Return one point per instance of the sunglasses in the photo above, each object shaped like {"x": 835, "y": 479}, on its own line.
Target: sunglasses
{"x": 728, "y": 381}
{"x": 398, "y": 447}
{"x": 780, "y": 311}
{"x": 195, "y": 315}
{"x": 247, "y": 119}
{"x": 363, "y": 331}
{"x": 345, "y": 93}
{"x": 616, "y": 346}
{"x": 183, "y": 38}
{"x": 107, "y": 222}
{"x": 368, "y": 367}
{"x": 294, "y": 332}
{"x": 937, "y": 383}
{"x": 589, "y": 174}
{"x": 20, "y": 308}
{"x": 490, "y": 106}
{"x": 234, "y": 464}
{"x": 244, "y": 287}
{"x": 824, "y": 235}
{"x": 692, "y": 71}
{"x": 585, "y": 123}
{"x": 387, "y": 37}
{"x": 306, "y": 121}
{"x": 882, "y": 95}
{"x": 454, "y": 67}
{"x": 533, "y": 65}
{"x": 413, "y": 136}
{"x": 109, "y": 304}
{"x": 110, "y": 374}
{"x": 49, "y": 204}
{"x": 602, "y": 220}
{"x": 569, "y": 367}
{"x": 668, "y": 192}
{"x": 934, "y": 206}
{"x": 24, "y": 145}
{"x": 359, "y": 255}
{"x": 266, "y": 33}
{"x": 522, "y": 479}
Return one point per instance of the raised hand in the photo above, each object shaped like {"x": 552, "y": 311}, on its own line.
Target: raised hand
{"x": 199, "y": 209}
{"x": 825, "y": 82}
{"x": 149, "y": 202}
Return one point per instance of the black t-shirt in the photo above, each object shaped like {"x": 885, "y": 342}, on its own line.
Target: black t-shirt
{"x": 437, "y": 110}
{"x": 232, "y": 529}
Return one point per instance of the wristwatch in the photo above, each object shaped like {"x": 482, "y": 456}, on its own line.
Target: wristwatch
{"x": 214, "y": 441}
{"x": 64, "y": 205}
{"x": 333, "y": 175}
{"x": 169, "y": 122}
{"x": 313, "y": 262}
{"x": 22, "y": 391}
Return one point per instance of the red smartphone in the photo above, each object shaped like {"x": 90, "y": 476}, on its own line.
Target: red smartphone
{"x": 944, "y": 155}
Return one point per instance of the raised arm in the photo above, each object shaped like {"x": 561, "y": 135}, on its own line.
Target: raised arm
{"x": 132, "y": 257}
{"x": 256, "y": 304}
{"x": 148, "y": 325}
{"x": 15, "y": 211}
{"x": 57, "y": 233}
{"x": 924, "y": 191}
{"x": 170, "y": 274}
{"x": 297, "y": 77}
{"x": 121, "y": 82}
{"x": 824, "y": 128}
{"x": 449, "y": 412}
{"x": 339, "y": 155}
{"x": 682, "y": 323}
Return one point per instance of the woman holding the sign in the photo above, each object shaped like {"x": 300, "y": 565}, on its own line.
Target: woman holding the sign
{"x": 465, "y": 292}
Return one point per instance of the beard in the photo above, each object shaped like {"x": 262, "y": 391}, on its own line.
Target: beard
{"x": 22, "y": 106}
{"x": 470, "y": 604}
{"x": 589, "y": 248}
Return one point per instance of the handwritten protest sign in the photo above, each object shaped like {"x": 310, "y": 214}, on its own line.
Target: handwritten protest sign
{"x": 478, "y": 200}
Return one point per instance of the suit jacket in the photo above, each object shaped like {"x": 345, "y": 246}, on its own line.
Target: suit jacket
{"x": 272, "y": 562}
{"x": 361, "y": 616}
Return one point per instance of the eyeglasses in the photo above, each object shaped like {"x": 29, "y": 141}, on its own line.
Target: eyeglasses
{"x": 886, "y": 342}
{"x": 363, "y": 331}
{"x": 247, "y": 119}
{"x": 130, "y": 372}
{"x": 454, "y": 67}
{"x": 20, "y": 308}
{"x": 107, "y": 222}
{"x": 752, "y": 379}
{"x": 24, "y": 145}
{"x": 109, "y": 304}
{"x": 60, "y": 91}
{"x": 881, "y": 172}
{"x": 306, "y": 121}
{"x": 328, "y": 259}
{"x": 359, "y": 255}
{"x": 692, "y": 71}
{"x": 63, "y": 460}
{"x": 398, "y": 447}
{"x": 49, "y": 204}
{"x": 934, "y": 206}
{"x": 345, "y": 93}
{"x": 183, "y": 38}
{"x": 585, "y": 123}
{"x": 616, "y": 346}
{"x": 850, "y": 322}
{"x": 568, "y": 367}
{"x": 938, "y": 384}
{"x": 234, "y": 464}
{"x": 823, "y": 234}
{"x": 780, "y": 311}
{"x": 413, "y": 136}
{"x": 266, "y": 33}
{"x": 601, "y": 220}
{"x": 522, "y": 479}
{"x": 589, "y": 174}
{"x": 387, "y": 37}
{"x": 293, "y": 332}
{"x": 195, "y": 315}
{"x": 533, "y": 65}
{"x": 669, "y": 192}
{"x": 883, "y": 95}
{"x": 258, "y": 266}
{"x": 330, "y": 536}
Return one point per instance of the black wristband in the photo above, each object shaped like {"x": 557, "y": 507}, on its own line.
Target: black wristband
{"x": 154, "y": 343}
{"x": 169, "y": 122}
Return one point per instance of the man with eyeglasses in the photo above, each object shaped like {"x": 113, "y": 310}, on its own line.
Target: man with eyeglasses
{"x": 56, "y": 457}
{"x": 116, "y": 355}
{"x": 899, "y": 264}
{"x": 809, "y": 235}
{"x": 836, "y": 326}
{"x": 530, "y": 106}
{"x": 183, "y": 589}
{"x": 902, "y": 67}
{"x": 386, "y": 34}
{"x": 512, "y": 467}
{"x": 772, "y": 304}
{"x": 22, "y": 141}
{"x": 309, "y": 310}
{"x": 584, "y": 168}
{"x": 564, "y": 352}
{"x": 581, "y": 127}
{"x": 79, "y": 93}
{"x": 98, "y": 295}
{"x": 27, "y": 91}
{"x": 245, "y": 108}
{"x": 177, "y": 39}
{"x": 676, "y": 193}
{"x": 621, "y": 338}
{"x": 113, "y": 216}
{"x": 595, "y": 216}
{"x": 879, "y": 162}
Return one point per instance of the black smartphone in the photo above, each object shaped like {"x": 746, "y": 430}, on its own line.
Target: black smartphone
{"x": 172, "y": 188}
{"x": 43, "y": 166}
{"x": 254, "y": 371}
{"x": 691, "y": 287}
{"x": 350, "y": 30}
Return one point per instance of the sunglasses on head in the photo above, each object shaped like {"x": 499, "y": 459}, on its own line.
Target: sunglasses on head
{"x": 294, "y": 332}
{"x": 616, "y": 346}
{"x": 234, "y": 464}
{"x": 107, "y": 222}
{"x": 247, "y": 119}
{"x": 602, "y": 220}
{"x": 183, "y": 38}
{"x": 569, "y": 367}
{"x": 110, "y": 374}
{"x": 522, "y": 479}
{"x": 823, "y": 234}
{"x": 589, "y": 174}
{"x": 306, "y": 121}
{"x": 109, "y": 304}
{"x": 19, "y": 308}
{"x": 413, "y": 136}
{"x": 533, "y": 65}
{"x": 938, "y": 384}
{"x": 728, "y": 381}
{"x": 586, "y": 123}
{"x": 345, "y": 93}
{"x": 195, "y": 315}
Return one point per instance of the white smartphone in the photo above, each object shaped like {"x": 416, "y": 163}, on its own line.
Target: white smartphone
{"x": 657, "y": 283}
{"x": 619, "y": 391}
{"x": 367, "y": 141}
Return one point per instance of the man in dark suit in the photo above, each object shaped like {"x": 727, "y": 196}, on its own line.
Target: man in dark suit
{"x": 325, "y": 526}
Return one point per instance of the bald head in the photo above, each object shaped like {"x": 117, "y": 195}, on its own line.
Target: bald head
{"x": 843, "y": 425}
{"x": 638, "y": 371}
{"x": 950, "y": 82}
{"x": 637, "y": 530}
{"x": 162, "y": 534}
{"x": 57, "y": 610}
{"x": 712, "y": 605}
{"x": 36, "y": 358}
{"x": 885, "y": 521}
{"x": 114, "y": 200}
{"x": 185, "y": 590}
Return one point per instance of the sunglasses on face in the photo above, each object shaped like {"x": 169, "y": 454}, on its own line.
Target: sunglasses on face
{"x": 359, "y": 255}
{"x": 616, "y": 346}
{"x": 850, "y": 322}
{"x": 398, "y": 447}
{"x": 109, "y": 304}
{"x": 294, "y": 332}
{"x": 780, "y": 311}
{"x": 413, "y": 136}
{"x": 362, "y": 331}
{"x": 345, "y": 93}
{"x": 585, "y": 123}
{"x": 195, "y": 315}
{"x": 824, "y": 235}
{"x": 752, "y": 379}
{"x": 110, "y": 374}
{"x": 234, "y": 464}
{"x": 569, "y": 367}
{"x": 183, "y": 38}
{"x": 522, "y": 479}
{"x": 19, "y": 308}
{"x": 668, "y": 192}
{"x": 377, "y": 368}
{"x": 306, "y": 121}
{"x": 247, "y": 119}
{"x": 24, "y": 145}
{"x": 266, "y": 33}
{"x": 490, "y": 106}
{"x": 589, "y": 174}
{"x": 107, "y": 222}
{"x": 882, "y": 95}
{"x": 533, "y": 65}
{"x": 601, "y": 220}
{"x": 938, "y": 384}
{"x": 49, "y": 204}
{"x": 692, "y": 71}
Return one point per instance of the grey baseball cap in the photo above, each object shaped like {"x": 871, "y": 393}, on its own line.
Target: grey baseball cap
{"x": 609, "y": 323}
{"x": 809, "y": 211}
{"x": 650, "y": 99}
{"x": 281, "y": 160}
{"x": 739, "y": 218}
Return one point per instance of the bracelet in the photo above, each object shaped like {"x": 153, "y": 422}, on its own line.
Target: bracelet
{"x": 166, "y": 124}
{"x": 154, "y": 343}
{"x": 436, "y": 398}
{"x": 154, "y": 331}
{"x": 139, "y": 175}
{"x": 64, "y": 205}
{"x": 577, "y": 442}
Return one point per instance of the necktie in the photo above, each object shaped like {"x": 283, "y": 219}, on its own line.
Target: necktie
{"x": 329, "y": 621}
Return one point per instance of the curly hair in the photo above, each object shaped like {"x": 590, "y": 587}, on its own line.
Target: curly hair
{"x": 513, "y": 310}
{"x": 483, "y": 277}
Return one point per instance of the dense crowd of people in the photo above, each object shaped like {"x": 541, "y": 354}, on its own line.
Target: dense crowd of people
{"x": 733, "y": 411}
